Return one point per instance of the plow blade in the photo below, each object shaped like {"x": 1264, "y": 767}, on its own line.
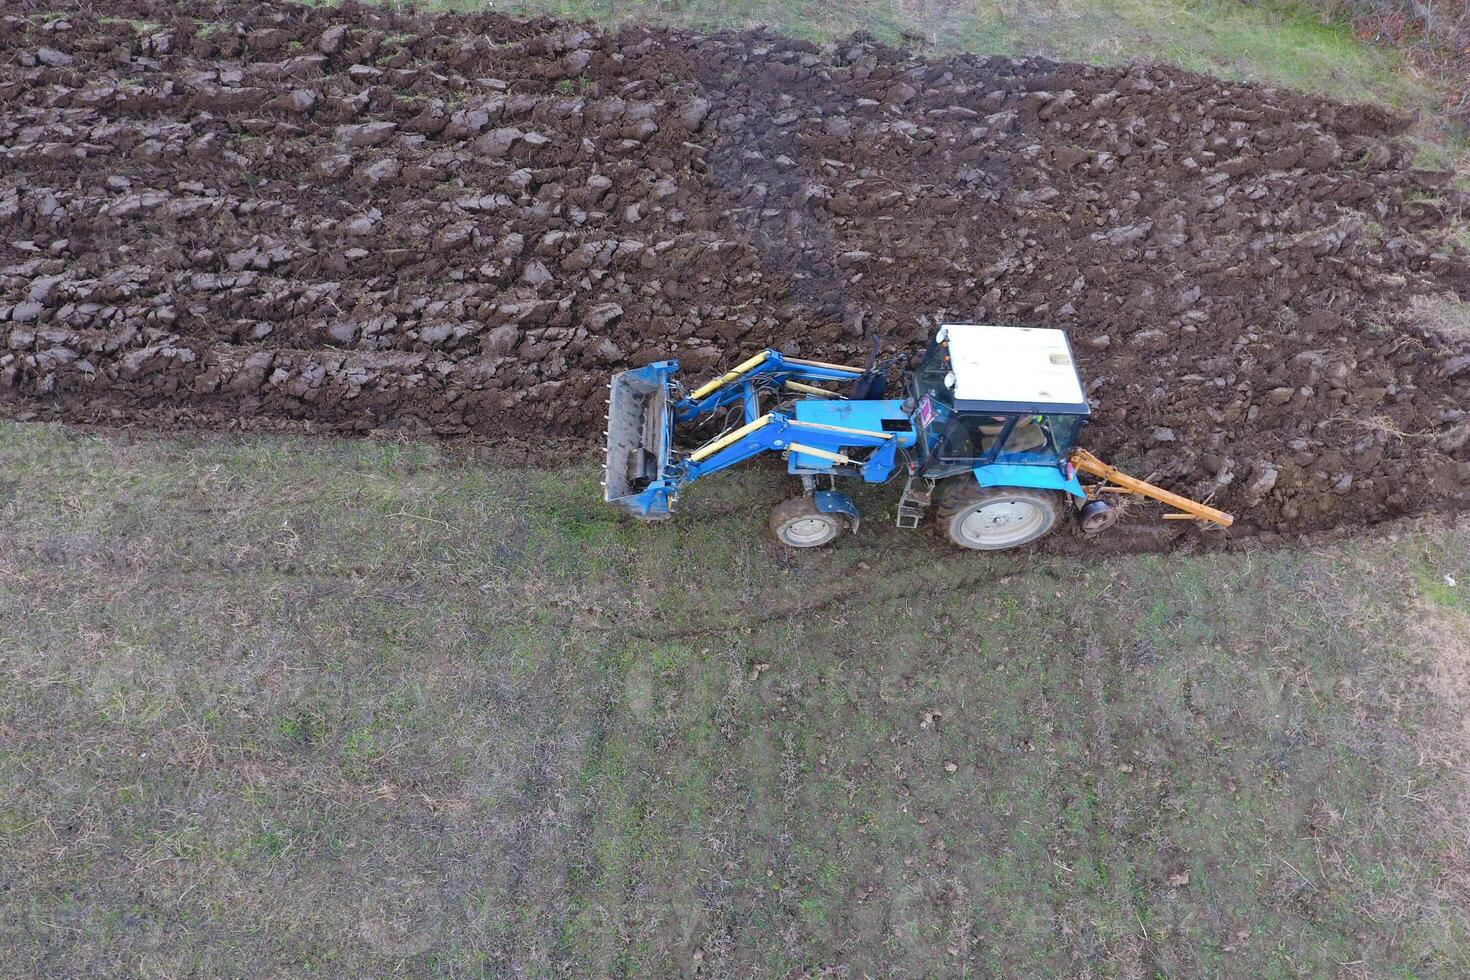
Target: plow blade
{"x": 640, "y": 422}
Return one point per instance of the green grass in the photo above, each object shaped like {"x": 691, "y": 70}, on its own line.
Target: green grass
{"x": 310, "y": 707}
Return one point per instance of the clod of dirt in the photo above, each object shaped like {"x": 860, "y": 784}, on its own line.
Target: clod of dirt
{"x": 362, "y": 219}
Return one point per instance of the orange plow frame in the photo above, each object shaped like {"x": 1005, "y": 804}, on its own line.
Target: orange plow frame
{"x": 1186, "y": 509}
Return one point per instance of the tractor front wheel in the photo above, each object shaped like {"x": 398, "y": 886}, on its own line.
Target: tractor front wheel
{"x": 798, "y": 524}
{"x": 995, "y": 518}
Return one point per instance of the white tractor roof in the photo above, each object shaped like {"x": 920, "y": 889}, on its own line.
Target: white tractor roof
{"x": 1020, "y": 368}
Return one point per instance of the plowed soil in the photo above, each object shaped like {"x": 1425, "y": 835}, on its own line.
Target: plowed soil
{"x": 248, "y": 214}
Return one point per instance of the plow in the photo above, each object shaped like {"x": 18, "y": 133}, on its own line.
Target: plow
{"x": 984, "y": 431}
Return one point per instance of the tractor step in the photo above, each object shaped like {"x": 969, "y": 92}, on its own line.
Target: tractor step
{"x": 914, "y": 502}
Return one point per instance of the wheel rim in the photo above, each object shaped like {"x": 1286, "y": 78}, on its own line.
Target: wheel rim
{"x": 806, "y": 531}
{"x": 1098, "y": 519}
{"x": 1003, "y": 523}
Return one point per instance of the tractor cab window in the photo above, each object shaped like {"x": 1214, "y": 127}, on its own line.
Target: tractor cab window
{"x": 1009, "y": 438}
{"x": 1040, "y": 439}
{"x": 970, "y": 436}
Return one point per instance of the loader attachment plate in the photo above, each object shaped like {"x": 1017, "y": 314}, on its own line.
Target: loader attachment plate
{"x": 640, "y": 421}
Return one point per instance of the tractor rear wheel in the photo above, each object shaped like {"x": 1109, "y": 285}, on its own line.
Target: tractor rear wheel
{"x": 994, "y": 518}
{"x": 797, "y": 523}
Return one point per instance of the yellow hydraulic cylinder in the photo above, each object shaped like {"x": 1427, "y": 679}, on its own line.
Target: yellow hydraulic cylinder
{"x": 824, "y": 364}
{"x": 824, "y": 427}
{"x": 728, "y": 377}
{"x": 810, "y": 389}
{"x": 830, "y": 457}
{"x": 709, "y": 449}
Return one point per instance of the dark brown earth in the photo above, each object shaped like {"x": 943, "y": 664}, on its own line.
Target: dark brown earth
{"x": 242, "y": 215}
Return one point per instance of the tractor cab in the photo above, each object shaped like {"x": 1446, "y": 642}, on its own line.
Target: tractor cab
{"x": 996, "y": 400}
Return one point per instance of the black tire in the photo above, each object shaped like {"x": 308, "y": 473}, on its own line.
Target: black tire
{"x": 797, "y": 523}
{"x": 1018, "y": 515}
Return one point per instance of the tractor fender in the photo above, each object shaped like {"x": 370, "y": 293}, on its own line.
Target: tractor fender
{"x": 837, "y": 502}
{"x": 1017, "y": 475}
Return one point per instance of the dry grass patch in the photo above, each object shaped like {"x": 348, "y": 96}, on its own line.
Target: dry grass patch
{"x": 1442, "y": 630}
{"x": 1443, "y": 314}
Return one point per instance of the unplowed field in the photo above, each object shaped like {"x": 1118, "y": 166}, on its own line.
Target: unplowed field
{"x": 249, "y": 214}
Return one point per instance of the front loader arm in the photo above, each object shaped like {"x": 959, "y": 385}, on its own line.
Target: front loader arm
{"x": 770, "y": 369}
{"x": 645, "y": 471}
{"x": 776, "y": 432}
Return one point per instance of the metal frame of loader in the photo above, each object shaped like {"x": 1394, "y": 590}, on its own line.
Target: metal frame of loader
{"x": 647, "y": 402}
{"x": 824, "y": 433}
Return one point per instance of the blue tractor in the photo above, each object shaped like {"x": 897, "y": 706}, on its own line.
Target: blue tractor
{"x": 986, "y": 430}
